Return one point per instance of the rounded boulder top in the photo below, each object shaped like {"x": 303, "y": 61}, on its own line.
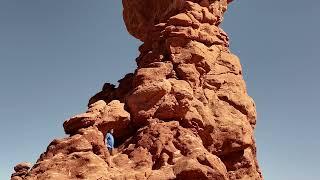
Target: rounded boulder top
{"x": 141, "y": 16}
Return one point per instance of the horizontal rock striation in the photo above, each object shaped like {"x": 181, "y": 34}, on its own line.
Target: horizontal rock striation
{"x": 183, "y": 114}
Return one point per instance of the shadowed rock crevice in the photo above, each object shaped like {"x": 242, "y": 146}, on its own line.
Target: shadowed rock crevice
{"x": 183, "y": 114}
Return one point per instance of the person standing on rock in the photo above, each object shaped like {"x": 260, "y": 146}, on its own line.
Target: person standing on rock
{"x": 110, "y": 141}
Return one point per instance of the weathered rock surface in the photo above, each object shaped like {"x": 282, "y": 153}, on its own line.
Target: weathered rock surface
{"x": 183, "y": 114}
{"x": 21, "y": 170}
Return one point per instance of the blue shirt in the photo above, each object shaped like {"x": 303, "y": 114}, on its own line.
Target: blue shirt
{"x": 110, "y": 141}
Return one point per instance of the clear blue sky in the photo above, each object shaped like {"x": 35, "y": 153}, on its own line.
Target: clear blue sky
{"x": 54, "y": 55}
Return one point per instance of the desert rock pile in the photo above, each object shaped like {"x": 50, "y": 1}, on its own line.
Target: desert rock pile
{"x": 21, "y": 170}
{"x": 183, "y": 114}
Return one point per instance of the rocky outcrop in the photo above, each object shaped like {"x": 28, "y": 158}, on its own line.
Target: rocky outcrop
{"x": 104, "y": 117}
{"x": 183, "y": 114}
{"x": 21, "y": 170}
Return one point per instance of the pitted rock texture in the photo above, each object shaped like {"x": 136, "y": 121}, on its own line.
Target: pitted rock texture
{"x": 183, "y": 114}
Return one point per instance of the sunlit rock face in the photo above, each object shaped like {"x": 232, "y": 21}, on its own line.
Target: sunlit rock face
{"x": 183, "y": 114}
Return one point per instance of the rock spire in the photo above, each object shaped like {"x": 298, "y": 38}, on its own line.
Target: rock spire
{"x": 183, "y": 114}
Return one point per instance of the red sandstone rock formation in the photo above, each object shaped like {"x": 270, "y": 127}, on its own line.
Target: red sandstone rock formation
{"x": 183, "y": 114}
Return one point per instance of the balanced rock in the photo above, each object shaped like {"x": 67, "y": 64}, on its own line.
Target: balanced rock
{"x": 183, "y": 114}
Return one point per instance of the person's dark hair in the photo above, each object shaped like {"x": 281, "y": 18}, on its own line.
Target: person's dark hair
{"x": 110, "y": 131}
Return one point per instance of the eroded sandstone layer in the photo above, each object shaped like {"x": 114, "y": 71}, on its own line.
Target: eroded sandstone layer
{"x": 183, "y": 114}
